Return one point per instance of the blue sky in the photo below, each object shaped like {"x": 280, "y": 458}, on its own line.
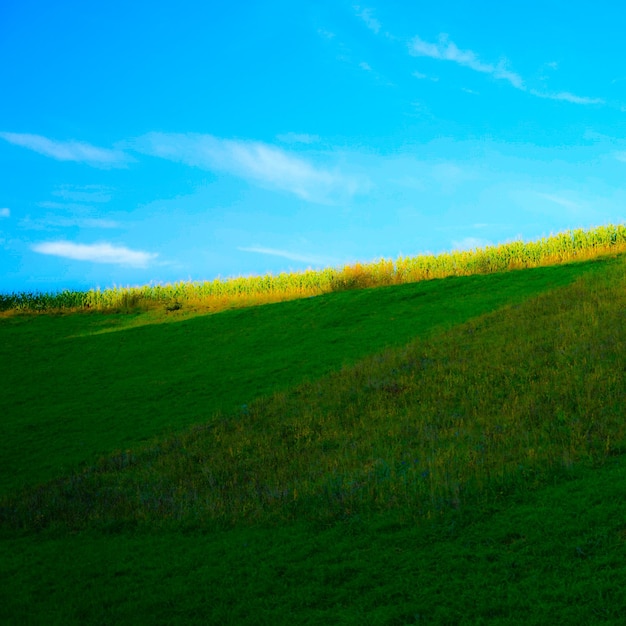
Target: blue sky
{"x": 158, "y": 141}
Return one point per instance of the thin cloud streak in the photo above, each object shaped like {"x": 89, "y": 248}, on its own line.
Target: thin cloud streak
{"x": 93, "y": 222}
{"x": 96, "y": 253}
{"x": 471, "y": 243}
{"x": 292, "y": 256}
{"x": 567, "y": 97}
{"x": 76, "y": 151}
{"x": 446, "y": 50}
{"x": 252, "y": 160}
{"x": 421, "y": 76}
{"x": 366, "y": 15}
{"x": 298, "y": 138}
{"x": 564, "y": 202}
{"x": 98, "y": 195}
{"x": 66, "y": 206}
{"x": 54, "y": 222}
{"x": 5, "y": 212}
{"x": 325, "y": 33}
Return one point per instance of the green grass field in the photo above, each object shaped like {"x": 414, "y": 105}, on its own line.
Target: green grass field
{"x": 441, "y": 452}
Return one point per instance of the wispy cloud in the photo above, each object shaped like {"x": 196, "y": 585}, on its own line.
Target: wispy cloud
{"x": 421, "y": 76}
{"x": 471, "y": 243}
{"x": 298, "y": 138}
{"x": 76, "y": 151}
{"x": 620, "y": 156}
{"x": 561, "y": 201}
{"x": 567, "y": 97}
{"x": 65, "y": 206}
{"x": 326, "y": 34}
{"x": 96, "y": 253}
{"x": 365, "y": 66}
{"x": 259, "y": 162}
{"x": 52, "y": 222}
{"x": 94, "y": 222}
{"x": 446, "y": 50}
{"x": 370, "y": 21}
{"x": 5, "y": 212}
{"x": 88, "y": 193}
{"x": 292, "y": 256}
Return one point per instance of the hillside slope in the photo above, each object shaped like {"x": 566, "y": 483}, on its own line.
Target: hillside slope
{"x": 77, "y": 387}
{"x": 472, "y": 475}
{"x": 486, "y": 408}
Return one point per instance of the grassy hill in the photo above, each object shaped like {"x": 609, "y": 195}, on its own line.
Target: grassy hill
{"x": 445, "y": 452}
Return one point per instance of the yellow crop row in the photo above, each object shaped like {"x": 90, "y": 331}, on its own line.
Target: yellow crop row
{"x": 243, "y": 291}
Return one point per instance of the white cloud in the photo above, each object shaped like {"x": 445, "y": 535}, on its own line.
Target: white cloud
{"x": 88, "y": 193}
{"x": 471, "y": 243}
{"x": 298, "y": 138}
{"x": 365, "y": 66}
{"x": 51, "y": 222}
{"x": 446, "y": 50}
{"x": 5, "y": 212}
{"x": 325, "y": 33}
{"x": 561, "y": 201}
{"x": 567, "y": 97}
{"x": 68, "y": 150}
{"x": 93, "y": 222}
{"x": 67, "y": 206}
{"x": 366, "y": 15}
{"x": 255, "y": 161}
{"x": 96, "y": 253}
{"x": 73, "y": 214}
{"x": 292, "y": 256}
{"x": 425, "y": 76}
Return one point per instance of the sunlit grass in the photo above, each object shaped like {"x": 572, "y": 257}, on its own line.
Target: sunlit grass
{"x": 220, "y": 294}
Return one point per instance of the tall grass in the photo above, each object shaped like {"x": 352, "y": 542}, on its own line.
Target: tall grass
{"x": 221, "y": 294}
{"x": 500, "y": 404}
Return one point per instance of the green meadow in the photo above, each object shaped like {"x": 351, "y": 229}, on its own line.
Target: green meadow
{"x": 381, "y": 451}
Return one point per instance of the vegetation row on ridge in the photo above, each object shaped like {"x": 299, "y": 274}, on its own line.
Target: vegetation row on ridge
{"x": 244, "y": 291}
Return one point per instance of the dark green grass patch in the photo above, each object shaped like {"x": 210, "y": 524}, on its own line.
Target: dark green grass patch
{"x": 556, "y": 556}
{"x": 74, "y": 387}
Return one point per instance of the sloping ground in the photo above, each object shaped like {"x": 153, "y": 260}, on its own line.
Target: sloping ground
{"x": 556, "y": 556}
{"x": 485, "y": 409}
{"x": 474, "y": 476}
{"x": 77, "y": 387}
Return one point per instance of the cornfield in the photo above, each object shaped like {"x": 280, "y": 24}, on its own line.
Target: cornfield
{"x": 221, "y": 294}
